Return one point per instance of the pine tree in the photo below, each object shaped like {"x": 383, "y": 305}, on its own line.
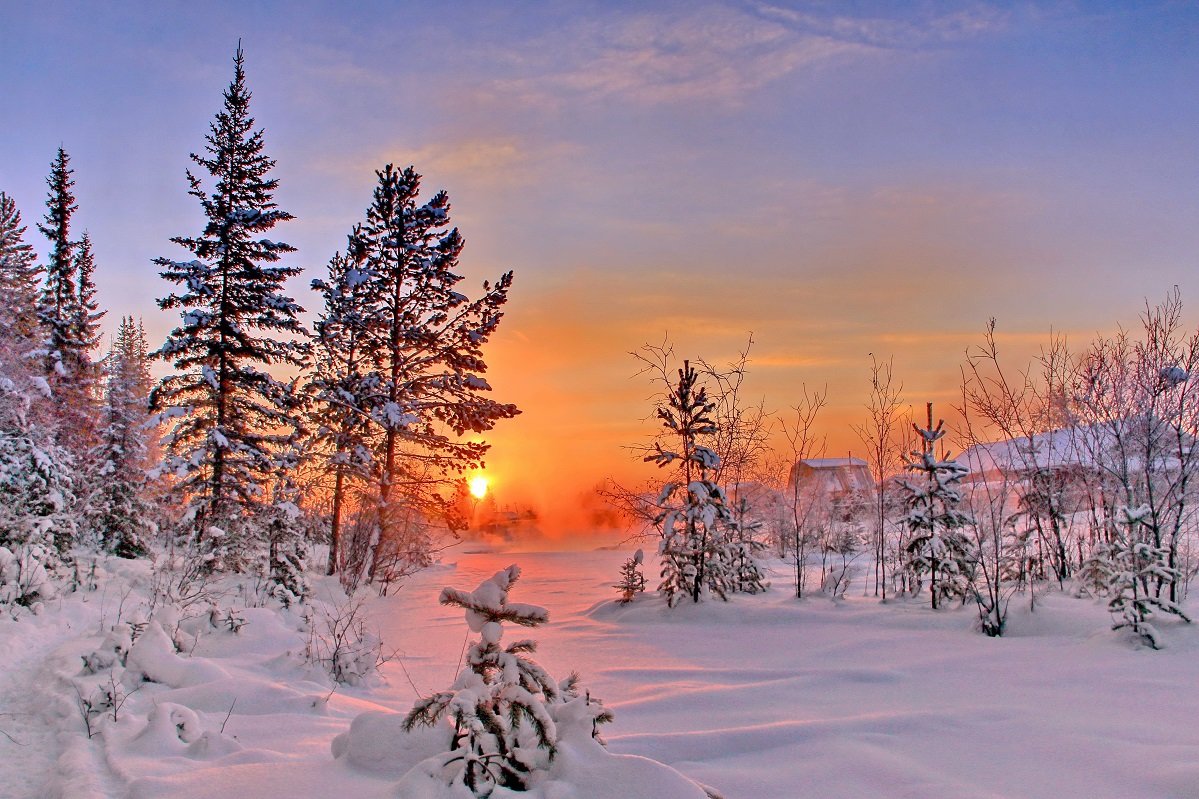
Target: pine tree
{"x": 341, "y": 425}
{"x": 85, "y": 333}
{"x": 937, "y": 546}
{"x": 37, "y": 481}
{"x": 57, "y": 306}
{"x": 81, "y": 397}
{"x": 700, "y": 542}
{"x": 20, "y": 275}
{"x": 1135, "y": 564}
{"x": 120, "y": 515}
{"x": 424, "y": 390}
{"x": 632, "y": 581}
{"x": 505, "y": 708}
{"x": 286, "y": 537}
{"x": 229, "y": 417}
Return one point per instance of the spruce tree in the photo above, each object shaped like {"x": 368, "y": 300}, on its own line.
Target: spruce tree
{"x": 286, "y": 537}
{"x": 120, "y": 516}
{"x": 700, "y": 548}
{"x": 424, "y": 390}
{"x": 341, "y": 426}
{"x": 937, "y": 545}
{"x": 20, "y": 275}
{"x": 1136, "y": 564}
{"x": 57, "y": 308}
{"x": 229, "y": 418}
{"x": 505, "y": 709}
{"x": 86, "y": 328}
{"x": 632, "y": 581}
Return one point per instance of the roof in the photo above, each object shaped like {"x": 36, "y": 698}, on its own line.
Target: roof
{"x": 832, "y": 463}
{"x": 1083, "y": 445}
{"x": 1056, "y": 448}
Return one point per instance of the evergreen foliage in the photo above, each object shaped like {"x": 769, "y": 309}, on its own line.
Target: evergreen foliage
{"x": 632, "y": 581}
{"x": 937, "y": 546}
{"x": 229, "y": 417}
{"x": 57, "y": 307}
{"x": 1135, "y": 565}
{"x": 37, "y": 478}
{"x": 503, "y": 706}
{"x": 121, "y": 515}
{"x": 287, "y": 545}
{"x": 341, "y": 431}
{"x": 20, "y": 276}
{"x": 701, "y": 549}
{"x": 421, "y": 389}
{"x": 68, "y": 315}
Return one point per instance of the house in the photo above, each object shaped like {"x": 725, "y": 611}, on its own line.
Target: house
{"x": 833, "y": 477}
{"x": 1056, "y": 452}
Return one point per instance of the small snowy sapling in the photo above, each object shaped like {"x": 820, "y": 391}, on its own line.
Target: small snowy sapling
{"x": 506, "y": 712}
{"x": 632, "y": 581}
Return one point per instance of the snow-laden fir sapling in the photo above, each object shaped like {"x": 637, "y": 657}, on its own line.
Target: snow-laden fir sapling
{"x": 506, "y": 712}
{"x": 937, "y": 546}
{"x": 632, "y": 581}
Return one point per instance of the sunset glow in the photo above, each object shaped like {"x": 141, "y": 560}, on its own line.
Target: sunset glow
{"x": 478, "y": 486}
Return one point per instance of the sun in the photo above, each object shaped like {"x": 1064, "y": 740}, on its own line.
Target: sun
{"x": 478, "y": 486}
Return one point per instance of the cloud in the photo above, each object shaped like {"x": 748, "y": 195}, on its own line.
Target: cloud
{"x": 710, "y": 52}
{"x": 927, "y": 29}
{"x": 707, "y": 53}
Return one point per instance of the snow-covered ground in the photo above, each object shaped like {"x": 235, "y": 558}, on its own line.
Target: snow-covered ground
{"x": 760, "y": 697}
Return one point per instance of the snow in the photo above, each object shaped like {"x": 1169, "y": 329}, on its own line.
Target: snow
{"x": 762, "y": 696}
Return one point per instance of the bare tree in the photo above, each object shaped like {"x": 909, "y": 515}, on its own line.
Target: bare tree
{"x": 1028, "y": 409}
{"x": 883, "y": 454}
{"x": 803, "y": 500}
{"x": 1137, "y": 403}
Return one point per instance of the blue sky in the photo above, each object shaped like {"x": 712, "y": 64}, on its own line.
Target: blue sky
{"x": 839, "y": 178}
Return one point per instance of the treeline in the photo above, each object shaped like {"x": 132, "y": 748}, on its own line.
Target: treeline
{"x": 1078, "y": 472}
{"x": 222, "y": 461}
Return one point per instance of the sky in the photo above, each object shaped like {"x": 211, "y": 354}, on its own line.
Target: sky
{"x": 839, "y": 179}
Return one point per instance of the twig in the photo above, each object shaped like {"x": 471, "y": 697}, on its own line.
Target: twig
{"x": 9, "y": 737}
{"x": 227, "y": 715}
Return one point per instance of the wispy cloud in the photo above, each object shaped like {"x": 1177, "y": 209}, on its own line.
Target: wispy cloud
{"x": 920, "y": 28}
{"x": 709, "y": 53}
{"x": 712, "y": 52}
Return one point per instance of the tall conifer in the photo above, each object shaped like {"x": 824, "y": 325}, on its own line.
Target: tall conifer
{"x": 20, "y": 276}
{"x": 57, "y": 306}
{"x": 229, "y": 417}
{"x": 424, "y": 390}
{"x": 120, "y": 517}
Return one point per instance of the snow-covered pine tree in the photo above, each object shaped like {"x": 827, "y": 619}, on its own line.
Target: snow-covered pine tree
{"x": 57, "y": 305}
{"x": 37, "y": 476}
{"x": 425, "y": 390}
{"x": 120, "y": 516}
{"x": 341, "y": 425}
{"x": 632, "y": 581}
{"x": 504, "y": 707}
{"x": 699, "y": 547}
{"x": 228, "y": 416}
{"x": 1137, "y": 564}
{"x": 20, "y": 276}
{"x": 286, "y": 536}
{"x": 85, "y": 329}
{"x": 68, "y": 314}
{"x": 937, "y": 546}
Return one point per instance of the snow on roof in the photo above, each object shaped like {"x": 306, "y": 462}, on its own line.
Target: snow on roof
{"x": 1041, "y": 451}
{"x": 1072, "y": 446}
{"x": 832, "y": 463}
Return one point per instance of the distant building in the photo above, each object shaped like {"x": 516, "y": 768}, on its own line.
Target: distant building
{"x": 1057, "y": 451}
{"x": 833, "y": 477}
